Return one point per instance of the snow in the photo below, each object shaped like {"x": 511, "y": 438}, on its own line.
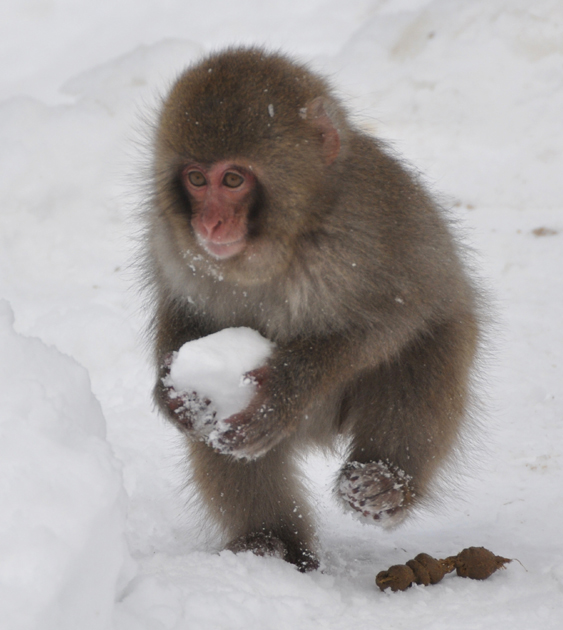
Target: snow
{"x": 62, "y": 491}
{"x": 98, "y": 529}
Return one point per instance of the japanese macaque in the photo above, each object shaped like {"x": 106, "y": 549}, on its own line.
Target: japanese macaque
{"x": 271, "y": 210}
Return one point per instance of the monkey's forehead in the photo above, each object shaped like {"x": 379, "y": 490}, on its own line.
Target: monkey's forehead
{"x": 231, "y": 99}
{"x": 250, "y": 77}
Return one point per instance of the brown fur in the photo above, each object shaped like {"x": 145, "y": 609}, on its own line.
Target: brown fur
{"x": 350, "y": 268}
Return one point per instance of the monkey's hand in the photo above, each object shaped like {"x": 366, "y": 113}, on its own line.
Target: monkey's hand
{"x": 376, "y": 491}
{"x": 194, "y": 414}
{"x": 256, "y": 429}
{"x": 190, "y": 412}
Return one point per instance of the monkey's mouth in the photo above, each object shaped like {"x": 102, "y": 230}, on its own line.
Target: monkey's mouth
{"x": 223, "y": 251}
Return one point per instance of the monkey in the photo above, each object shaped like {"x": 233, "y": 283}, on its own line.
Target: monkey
{"x": 271, "y": 209}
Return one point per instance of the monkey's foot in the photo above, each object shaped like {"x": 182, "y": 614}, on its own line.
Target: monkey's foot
{"x": 377, "y": 491}
{"x": 268, "y": 544}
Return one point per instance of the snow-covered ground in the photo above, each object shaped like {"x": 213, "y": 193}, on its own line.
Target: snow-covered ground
{"x": 97, "y": 530}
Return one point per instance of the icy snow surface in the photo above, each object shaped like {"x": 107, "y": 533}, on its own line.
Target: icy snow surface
{"x": 97, "y": 526}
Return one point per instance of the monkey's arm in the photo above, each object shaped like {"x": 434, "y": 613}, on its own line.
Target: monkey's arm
{"x": 297, "y": 373}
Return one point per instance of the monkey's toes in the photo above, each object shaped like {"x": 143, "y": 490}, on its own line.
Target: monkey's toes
{"x": 378, "y": 491}
{"x": 266, "y": 543}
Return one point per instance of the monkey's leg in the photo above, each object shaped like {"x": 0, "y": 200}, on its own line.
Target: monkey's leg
{"x": 404, "y": 418}
{"x": 259, "y": 504}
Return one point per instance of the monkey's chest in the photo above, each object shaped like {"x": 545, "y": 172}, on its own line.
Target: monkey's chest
{"x": 278, "y": 312}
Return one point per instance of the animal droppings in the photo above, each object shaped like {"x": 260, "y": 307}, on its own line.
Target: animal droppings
{"x": 476, "y": 563}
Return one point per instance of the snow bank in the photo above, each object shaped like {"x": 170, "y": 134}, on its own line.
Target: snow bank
{"x": 61, "y": 531}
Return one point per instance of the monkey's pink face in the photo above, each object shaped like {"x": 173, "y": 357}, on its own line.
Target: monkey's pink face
{"x": 220, "y": 197}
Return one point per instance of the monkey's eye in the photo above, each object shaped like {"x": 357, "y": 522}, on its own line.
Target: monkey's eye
{"x": 196, "y": 178}
{"x": 233, "y": 180}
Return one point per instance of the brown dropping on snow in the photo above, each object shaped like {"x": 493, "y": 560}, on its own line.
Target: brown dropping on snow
{"x": 476, "y": 563}
{"x": 543, "y": 231}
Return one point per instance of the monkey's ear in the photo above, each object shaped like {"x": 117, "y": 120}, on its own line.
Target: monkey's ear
{"x": 319, "y": 118}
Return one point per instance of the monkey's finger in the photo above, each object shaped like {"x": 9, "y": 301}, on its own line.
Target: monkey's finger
{"x": 258, "y": 376}
{"x": 244, "y": 438}
{"x": 167, "y": 361}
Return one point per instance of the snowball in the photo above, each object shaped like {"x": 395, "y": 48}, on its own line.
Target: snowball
{"x": 214, "y": 367}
